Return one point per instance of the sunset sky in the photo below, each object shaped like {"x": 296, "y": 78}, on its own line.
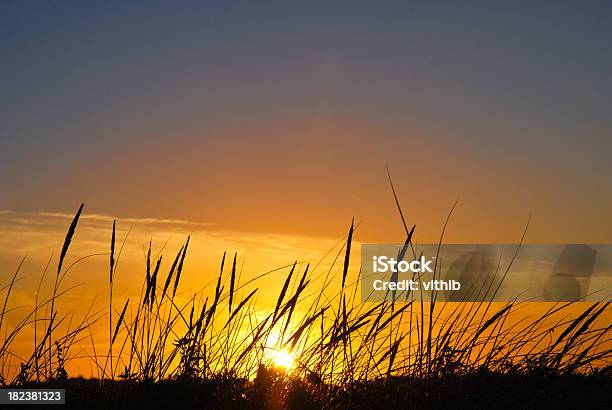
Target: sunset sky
{"x": 262, "y": 128}
{"x": 280, "y": 118}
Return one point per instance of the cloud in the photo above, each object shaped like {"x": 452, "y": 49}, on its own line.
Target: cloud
{"x": 134, "y": 221}
{"x": 40, "y": 237}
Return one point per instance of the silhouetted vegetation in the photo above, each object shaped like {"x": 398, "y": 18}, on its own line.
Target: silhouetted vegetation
{"x": 214, "y": 351}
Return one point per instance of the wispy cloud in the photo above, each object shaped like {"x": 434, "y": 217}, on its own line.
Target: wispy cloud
{"x": 40, "y": 235}
{"x": 140, "y": 221}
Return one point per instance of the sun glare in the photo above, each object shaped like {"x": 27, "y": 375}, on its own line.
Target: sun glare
{"x": 282, "y": 358}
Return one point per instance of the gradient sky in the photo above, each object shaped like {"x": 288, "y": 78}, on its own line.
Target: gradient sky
{"x": 282, "y": 117}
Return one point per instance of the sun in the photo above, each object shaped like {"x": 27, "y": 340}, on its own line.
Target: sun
{"x": 282, "y": 359}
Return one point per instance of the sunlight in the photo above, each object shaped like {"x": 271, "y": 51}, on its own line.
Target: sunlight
{"x": 281, "y": 358}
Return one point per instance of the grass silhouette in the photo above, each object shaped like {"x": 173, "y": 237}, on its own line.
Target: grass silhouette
{"x": 213, "y": 352}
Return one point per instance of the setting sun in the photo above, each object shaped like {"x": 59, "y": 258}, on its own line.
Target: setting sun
{"x": 281, "y": 358}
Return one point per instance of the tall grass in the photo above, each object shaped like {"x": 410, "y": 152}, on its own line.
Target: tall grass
{"x": 336, "y": 339}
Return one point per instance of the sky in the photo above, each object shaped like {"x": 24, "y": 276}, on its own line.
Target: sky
{"x": 263, "y": 129}
{"x": 282, "y": 118}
